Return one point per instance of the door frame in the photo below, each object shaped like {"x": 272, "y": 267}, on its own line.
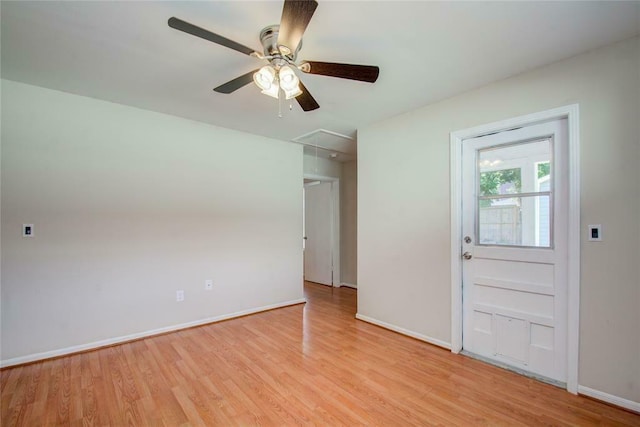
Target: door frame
{"x": 571, "y": 113}
{"x": 334, "y": 223}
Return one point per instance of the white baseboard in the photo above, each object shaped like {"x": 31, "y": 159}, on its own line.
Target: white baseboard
{"x": 609, "y": 398}
{"x": 349, "y": 285}
{"x": 403, "y": 331}
{"x": 118, "y": 340}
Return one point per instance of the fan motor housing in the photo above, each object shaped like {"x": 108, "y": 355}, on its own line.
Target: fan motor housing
{"x": 269, "y": 40}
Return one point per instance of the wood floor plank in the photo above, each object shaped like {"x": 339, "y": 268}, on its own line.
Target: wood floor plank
{"x": 311, "y": 364}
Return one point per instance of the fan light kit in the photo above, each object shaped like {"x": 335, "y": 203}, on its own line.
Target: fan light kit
{"x": 281, "y": 44}
{"x": 271, "y": 80}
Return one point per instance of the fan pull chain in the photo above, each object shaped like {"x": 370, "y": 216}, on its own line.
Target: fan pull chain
{"x": 280, "y": 103}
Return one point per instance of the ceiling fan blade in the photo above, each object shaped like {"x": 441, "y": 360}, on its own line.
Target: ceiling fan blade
{"x": 188, "y": 28}
{"x": 237, "y": 83}
{"x": 363, "y": 73}
{"x": 306, "y": 101}
{"x": 296, "y": 15}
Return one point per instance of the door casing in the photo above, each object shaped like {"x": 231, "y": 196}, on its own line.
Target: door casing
{"x": 571, "y": 113}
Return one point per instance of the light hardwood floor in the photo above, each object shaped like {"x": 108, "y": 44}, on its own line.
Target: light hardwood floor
{"x": 310, "y": 364}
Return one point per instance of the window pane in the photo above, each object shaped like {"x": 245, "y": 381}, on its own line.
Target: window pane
{"x": 513, "y": 169}
{"x": 499, "y": 182}
{"x": 544, "y": 169}
{"x": 515, "y": 221}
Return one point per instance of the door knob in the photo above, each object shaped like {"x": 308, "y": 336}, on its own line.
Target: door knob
{"x": 467, "y": 255}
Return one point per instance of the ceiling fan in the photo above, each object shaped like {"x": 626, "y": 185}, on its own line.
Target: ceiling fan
{"x": 281, "y": 44}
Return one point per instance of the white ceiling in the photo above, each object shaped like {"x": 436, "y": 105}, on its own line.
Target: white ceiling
{"x": 427, "y": 51}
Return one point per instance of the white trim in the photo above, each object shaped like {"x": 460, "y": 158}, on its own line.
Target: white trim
{"x": 573, "y": 250}
{"x": 456, "y": 246}
{"x": 299, "y": 139}
{"x": 335, "y": 222}
{"x": 609, "y": 398}
{"x": 404, "y": 331}
{"x": 122, "y": 339}
{"x": 571, "y": 112}
{"x": 335, "y": 233}
{"x": 349, "y": 285}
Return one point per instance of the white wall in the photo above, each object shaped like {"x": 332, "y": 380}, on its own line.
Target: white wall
{"x": 130, "y": 206}
{"x": 349, "y": 223}
{"x": 323, "y": 167}
{"x": 404, "y": 218}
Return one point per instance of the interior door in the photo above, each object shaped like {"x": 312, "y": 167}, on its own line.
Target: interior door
{"x": 515, "y": 248}
{"x": 317, "y": 217}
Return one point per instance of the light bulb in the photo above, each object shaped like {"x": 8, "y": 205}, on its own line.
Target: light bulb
{"x": 288, "y": 79}
{"x": 292, "y": 93}
{"x": 264, "y": 78}
{"x": 272, "y": 91}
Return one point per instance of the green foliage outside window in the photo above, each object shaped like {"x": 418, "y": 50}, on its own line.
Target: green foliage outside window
{"x": 490, "y": 182}
{"x": 544, "y": 169}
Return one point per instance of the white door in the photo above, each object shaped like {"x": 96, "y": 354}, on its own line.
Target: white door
{"x": 514, "y": 228}
{"x": 317, "y": 223}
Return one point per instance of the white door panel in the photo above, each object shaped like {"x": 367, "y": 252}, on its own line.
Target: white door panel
{"x": 514, "y": 277}
{"x": 513, "y": 254}
{"x": 317, "y": 252}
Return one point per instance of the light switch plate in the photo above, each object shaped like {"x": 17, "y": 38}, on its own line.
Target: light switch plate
{"x": 27, "y": 230}
{"x": 595, "y": 233}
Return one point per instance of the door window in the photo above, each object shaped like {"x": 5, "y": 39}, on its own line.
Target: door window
{"x": 514, "y": 187}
